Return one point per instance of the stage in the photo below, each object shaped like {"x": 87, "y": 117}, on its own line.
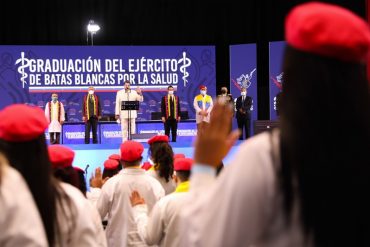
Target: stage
{"x": 94, "y": 155}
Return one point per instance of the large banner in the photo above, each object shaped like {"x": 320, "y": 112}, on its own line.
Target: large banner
{"x": 243, "y": 73}
{"x": 29, "y": 74}
{"x": 276, "y": 75}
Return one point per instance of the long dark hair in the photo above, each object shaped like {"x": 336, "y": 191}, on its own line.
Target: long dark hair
{"x": 32, "y": 161}
{"x": 161, "y": 154}
{"x": 324, "y": 147}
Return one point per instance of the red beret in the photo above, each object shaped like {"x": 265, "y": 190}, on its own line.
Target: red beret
{"x": 131, "y": 151}
{"x": 78, "y": 169}
{"x": 110, "y": 164}
{"x": 328, "y": 30}
{"x": 158, "y": 138}
{"x": 60, "y": 156}
{"x": 21, "y": 123}
{"x": 202, "y": 87}
{"x": 177, "y": 156}
{"x": 146, "y": 166}
{"x": 183, "y": 164}
{"x": 115, "y": 157}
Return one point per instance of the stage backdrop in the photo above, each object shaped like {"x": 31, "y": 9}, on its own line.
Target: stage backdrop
{"x": 29, "y": 74}
{"x": 243, "y": 73}
{"x": 276, "y": 74}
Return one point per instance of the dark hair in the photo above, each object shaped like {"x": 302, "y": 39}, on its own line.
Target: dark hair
{"x": 110, "y": 172}
{"x": 183, "y": 175}
{"x": 170, "y": 86}
{"x": 131, "y": 163}
{"x": 34, "y": 165}
{"x": 81, "y": 181}
{"x": 324, "y": 155}
{"x": 127, "y": 81}
{"x": 161, "y": 154}
{"x": 67, "y": 175}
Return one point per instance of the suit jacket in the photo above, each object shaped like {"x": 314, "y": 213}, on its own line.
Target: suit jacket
{"x": 165, "y": 109}
{"x": 246, "y": 107}
{"x": 123, "y": 96}
{"x": 85, "y": 105}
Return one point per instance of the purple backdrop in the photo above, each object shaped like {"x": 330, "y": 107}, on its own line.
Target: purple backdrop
{"x": 243, "y": 72}
{"x": 28, "y": 74}
{"x": 276, "y": 74}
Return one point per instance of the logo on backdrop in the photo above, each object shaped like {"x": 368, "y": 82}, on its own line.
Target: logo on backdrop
{"x": 278, "y": 80}
{"x": 245, "y": 80}
{"x": 65, "y": 73}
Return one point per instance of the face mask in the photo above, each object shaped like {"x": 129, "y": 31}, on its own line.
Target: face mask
{"x": 170, "y": 92}
{"x": 91, "y": 91}
{"x": 203, "y": 92}
{"x": 243, "y": 93}
{"x": 55, "y": 99}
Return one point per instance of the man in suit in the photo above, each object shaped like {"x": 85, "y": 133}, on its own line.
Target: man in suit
{"x": 170, "y": 108}
{"x": 243, "y": 113}
{"x": 91, "y": 113}
{"x": 127, "y": 94}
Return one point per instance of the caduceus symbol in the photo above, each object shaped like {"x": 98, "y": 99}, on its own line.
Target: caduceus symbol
{"x": 279, "y": 80}
{"x": 24, "y": 64}
{"x": 245, "y": 80}
{"x": 186, "y": 63}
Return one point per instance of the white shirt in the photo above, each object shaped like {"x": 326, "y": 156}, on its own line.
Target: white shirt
{"x": 88, "y": 229}
{"x": 115, "y": 201}
{"x": 168, "y": 187}
{"x": 93, "y": 195}
{"x": 131, "y": 95}
{"x": 20, "y": 221}
{"x": 162, "y": 226}
{"x": 55, "y": 125}
{"x": 242, "y": 207}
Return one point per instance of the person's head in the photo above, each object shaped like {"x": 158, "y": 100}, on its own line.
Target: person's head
{"x": 161, "y": 154}
{"x": 203, "y": 90}
{"x": 23, "y": 142}
{"x": 324, "y": 121}
{"x": 224, "y": 90}
{"x": 243, "y": 91}
{"x": 182, "y": 167}
{"x": 91, "y": 90}
{"x": 131, "y": 153}
{"x": 170, "y": 90}
{"x": 81, "y": 180}
{"x": 116, "y": 157}
{"x": 111, "y": 168}
{"x": 127, "y": 84}
{"x": 54, "y": 97}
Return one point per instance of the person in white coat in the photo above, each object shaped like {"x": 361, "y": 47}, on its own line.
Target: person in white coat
{"x": 20, "y": 222}
{"x": 161, "y": 227}
{"x": 126, "y": 116}
{"x": 203, "y": 104}
{"x": 54, "y": 112}
{"x": 115, "y": 197}
{"x": 304, "y": 184}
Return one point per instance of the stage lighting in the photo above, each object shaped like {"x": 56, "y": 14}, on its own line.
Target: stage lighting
{"x": 92, "y": 28}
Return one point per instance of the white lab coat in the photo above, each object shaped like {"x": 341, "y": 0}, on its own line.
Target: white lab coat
{"x": 132, "y": 95}
{"x": 55, "y": 125}
{"x": 115, "y": 201}
{"x": 20, "y": 221}
{"x": 93, "y": 195}
{"x": 199, "y": 118}
{"x": 162, "y": 226}
{"x": 168, "y": 187}
{"x": 88, "y": 230}
{"x": 243, "y": 206}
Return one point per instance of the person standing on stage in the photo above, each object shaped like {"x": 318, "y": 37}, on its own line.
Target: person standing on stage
{"x": 228, "y": 98}
{"x": 54, "y": 112}
{"x": 127, "y": 94}
{"x": 243, "y": 113}
{"x": 170, "y": 108}
{"x": 91, "y": 111}
{"x": 203, "y": 104}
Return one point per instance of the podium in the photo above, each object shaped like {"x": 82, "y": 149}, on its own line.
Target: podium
{"x": 129, "y": 105}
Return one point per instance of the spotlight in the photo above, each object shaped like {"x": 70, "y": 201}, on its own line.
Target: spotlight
{"x": 92, "y": 28}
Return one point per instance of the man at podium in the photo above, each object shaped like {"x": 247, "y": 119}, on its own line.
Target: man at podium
{"x": 124, "y": 116}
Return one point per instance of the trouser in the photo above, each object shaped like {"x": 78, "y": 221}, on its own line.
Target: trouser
{"x": 124, "y": 127}
{"x": 92, "y": 123}
{"x": 54, "y": 137}
{"x": 171, "y": 125}
{"x": 244, "y": 124}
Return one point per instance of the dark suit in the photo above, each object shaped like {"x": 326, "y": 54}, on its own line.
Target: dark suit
{"x": 91, "y": 116}
{"x": 243, "y": 115}
{"x": 170, "y": 108}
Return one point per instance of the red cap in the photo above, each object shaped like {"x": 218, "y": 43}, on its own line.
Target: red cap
{"x": 202, "y": 87}
{"x": 21, "y": 123}
{"x": 115, "y": 157}
{"x": 111, "y": 164}
{"x": 78, "y": 169}
{"x": 60, "y": 156}
{"x": 131, "y": 151}
{"x": 177, "y": 156}
{"x": 183, "y": 164}
{"x": 158, "y": 138}
{"x": 328, "y": 30}
{"x": 146, "y": 166}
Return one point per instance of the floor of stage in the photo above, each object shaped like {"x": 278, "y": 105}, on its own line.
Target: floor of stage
{"x": 94, "y": 155}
